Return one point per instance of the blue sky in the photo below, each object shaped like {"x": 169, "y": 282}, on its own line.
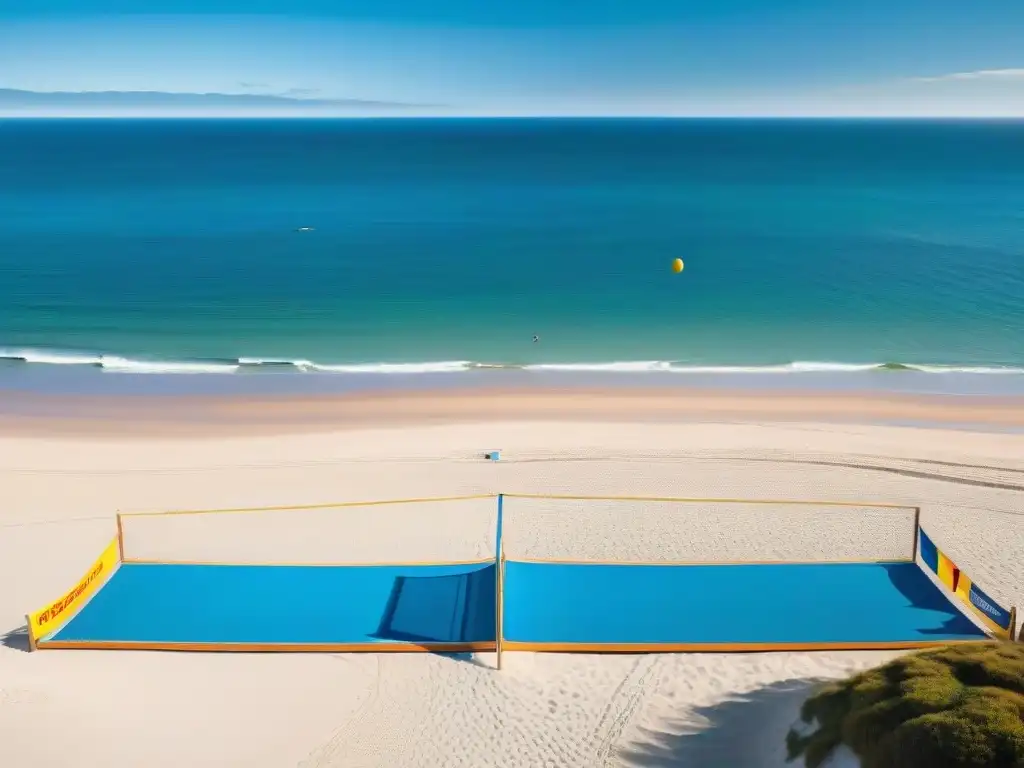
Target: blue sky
{"x": 538, "y": 56}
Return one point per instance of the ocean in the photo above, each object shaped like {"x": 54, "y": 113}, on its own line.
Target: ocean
{"x": 337, "y": 251}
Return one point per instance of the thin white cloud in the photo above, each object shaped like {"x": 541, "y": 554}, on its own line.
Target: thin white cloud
{"x": 989, "y": 75}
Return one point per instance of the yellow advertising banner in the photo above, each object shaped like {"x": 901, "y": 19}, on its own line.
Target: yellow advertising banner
{"x": 963, "y": 588}
{"x": 51, "y": 618}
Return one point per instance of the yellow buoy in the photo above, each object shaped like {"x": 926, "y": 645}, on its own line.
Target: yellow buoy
{"x": 677, "y": 266}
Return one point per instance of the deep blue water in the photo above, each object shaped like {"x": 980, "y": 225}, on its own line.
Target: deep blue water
{"x": 809, "y": 245}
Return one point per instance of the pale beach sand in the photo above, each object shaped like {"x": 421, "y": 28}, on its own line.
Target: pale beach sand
{"x": 63, "y": 479}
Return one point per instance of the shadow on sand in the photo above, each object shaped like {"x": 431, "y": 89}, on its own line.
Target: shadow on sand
{"x": 466, "y": 658}
{"x": 746, "y": 732}
{"x": 16, "y": 639}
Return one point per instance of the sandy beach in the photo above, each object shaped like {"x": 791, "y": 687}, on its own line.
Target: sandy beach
{"x": 67, "y": 467}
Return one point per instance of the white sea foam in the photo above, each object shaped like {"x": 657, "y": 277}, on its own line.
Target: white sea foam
{"x": 302, "y": 365}
{"x": 443, "y": 366}
{"x": 643, "y": 366}
{"x": 114, "y": 362}
{"x": 127, "y": 365}
{"x": 49, "y": 357}
{"x": 728, "y": 369}
{"x": 997, "y": 370}
{"x": 662, "y": 366}
{"x": 825, "y": 367}
{"x": 828, "y": 367}
{"x": 122, "y": 364}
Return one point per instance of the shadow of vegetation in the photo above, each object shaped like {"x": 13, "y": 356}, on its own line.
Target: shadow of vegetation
{"x": 749, "y": 730}
{"x": 16, "y": 639}
{"x": 920, "y": 592}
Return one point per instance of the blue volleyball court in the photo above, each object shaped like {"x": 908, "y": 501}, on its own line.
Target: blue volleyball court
{"x": 445, "y": 607}
{"x": 541, "y": 606}
{"x": 688, "y": 608}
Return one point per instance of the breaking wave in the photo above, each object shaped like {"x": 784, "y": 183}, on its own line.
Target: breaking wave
{"x": 142, "y": 365}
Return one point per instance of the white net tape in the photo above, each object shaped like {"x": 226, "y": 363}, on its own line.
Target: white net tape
{"x": 974, "y": 513}
{"x": 421, "y": 531}
{"x": 640, "y": 530}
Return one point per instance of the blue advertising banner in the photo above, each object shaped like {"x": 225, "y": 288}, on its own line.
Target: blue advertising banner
{"x": 929, "y": 552}
{"x": 998, "y": 620}
{"x": 989, "y": 608}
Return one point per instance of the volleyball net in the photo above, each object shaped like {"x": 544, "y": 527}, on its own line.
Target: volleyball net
{"x": 427, "y": 530}
{"x": 532, "y": 571}
{"x": 566, "y": 528}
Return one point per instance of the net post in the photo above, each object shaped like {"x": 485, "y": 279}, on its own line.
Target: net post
{"x": 499, "y": 589}
{"x": 32, "y": 646}
{"x": 917, "y": 533}
{"x": 1013, "y": 623}
{"x": 120, "y": 538}
{"x": 498, "y": 527}
{"x": 500, "y": 612}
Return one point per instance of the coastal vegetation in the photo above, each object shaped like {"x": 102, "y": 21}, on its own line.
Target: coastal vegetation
{"x": 954, "y": 707}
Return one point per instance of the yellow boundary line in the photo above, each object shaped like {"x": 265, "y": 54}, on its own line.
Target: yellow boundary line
{"x": 119, "y": 645}
{"x": 508, "y": 645}
{"x": 298, "y": 507}
{"x": 557, "y": 497}
{"x": 515, "y": 645}
{"x": 353, "y": 564}
{"x": 688, "y": 563}
{"x": 686, "y": 500}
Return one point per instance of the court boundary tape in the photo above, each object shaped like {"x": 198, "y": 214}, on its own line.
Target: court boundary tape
{"x": 708, "y": 563}
{"x": 127, "y": 645}
{"x": 627, "y": 648}
{"x": 298, "y": 564}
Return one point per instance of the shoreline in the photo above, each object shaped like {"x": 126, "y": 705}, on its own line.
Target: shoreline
{"x": 73, "y": 380}
{"x": 27, "y": 414}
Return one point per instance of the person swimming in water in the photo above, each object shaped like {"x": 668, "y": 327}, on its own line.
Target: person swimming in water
{"x": 536, "y": 338}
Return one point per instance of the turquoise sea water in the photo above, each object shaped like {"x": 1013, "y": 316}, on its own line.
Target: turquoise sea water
{"x": 446, "y": 245}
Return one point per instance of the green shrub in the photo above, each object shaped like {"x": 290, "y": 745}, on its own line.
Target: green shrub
{"x": 953, "y": 707}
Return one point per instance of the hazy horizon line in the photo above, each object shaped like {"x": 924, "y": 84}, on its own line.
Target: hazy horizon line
{"x": 20, "y": 101}
{"x": 517, "y": 116}
{"x": 22, "y": 104}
